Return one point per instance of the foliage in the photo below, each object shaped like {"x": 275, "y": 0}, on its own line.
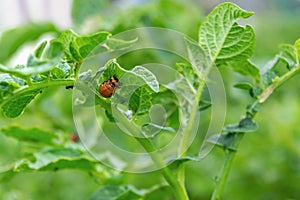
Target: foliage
{"x": 222, "y": 42}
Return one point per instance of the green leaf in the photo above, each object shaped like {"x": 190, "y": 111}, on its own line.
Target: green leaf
{"x": 77, "y": 48}
{"x": 37, "y": 65}
{"x": 55, "y": 50}
{"x": 198, "y": 57}
{"x": 33, "y": 62}
{"x": 151, "y": 129}
{"x": 135, "y": 92}
{"x": 254, "y": 91}
{"x": 191, "y": 77}
{"x": 176, "y": 163}
{"x": 140, "y": 101}
{"x": 225, "y": 140}
{"x": 55, "y": 159}
{"x": 114, "y": 192}
{"x": 147, "y": 76}
{"x": 244, "y": 86}
{"x": 15, "y": 72}
{"x": 14, "y": 106}
{"x": 112, "y": 68}
{"x": 203, "y": 105}
{"x": 245, "y": 125}
{"x": 135, "y": 85}
{"x": 5, "y": 89}
{"x": 45, "y": 63}
{"x": 63, "y": 70}
{"x": 40, "y": 49}
{"x": 268, "y": 77}
{"x": 187, "y": 71}
{"x": 185, "y": 96}
{"x": 14, "y": 81}
{"x": 117, "y": 44}
{"x": 11, "y": 40}
{"x": 222, "y": 38}
{"x": 271, "y": 64}
{"x": 288, "y": 53}
{"x": 252, "y": 110}
{"x": 246, "y": 68}
{"x": 34, "y": 135}
{"x": 8, "y": 84}
{"x": 57, "y": 73}
{"x": 6, "y": 173}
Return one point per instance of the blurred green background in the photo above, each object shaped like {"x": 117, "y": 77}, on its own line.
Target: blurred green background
{"x": 267, "y": 165}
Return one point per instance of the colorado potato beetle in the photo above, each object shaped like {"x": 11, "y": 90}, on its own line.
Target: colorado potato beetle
{"x": 107, "y": 88}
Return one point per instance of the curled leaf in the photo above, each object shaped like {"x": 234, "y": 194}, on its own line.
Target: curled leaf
{"x": 225, "y": 140}
{"x": 245, "y": 125}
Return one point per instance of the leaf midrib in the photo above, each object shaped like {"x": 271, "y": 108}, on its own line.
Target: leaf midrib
{"x": 224, "y": 39}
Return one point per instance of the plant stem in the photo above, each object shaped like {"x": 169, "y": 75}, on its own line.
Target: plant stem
{"x": 231, "y": 154}
{"x": 186, "y": 135}
{"x": 189, "y": 128}
{"x": 221, "y": 181}
{"x": 179, "y": 190}
{"x": 277, "y": 83}
{"x": 76, "y": 68}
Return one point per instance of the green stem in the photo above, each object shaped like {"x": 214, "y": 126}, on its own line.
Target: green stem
{"x": 277, "y": 83}
{"x": 186, "y": 135}
{"x": 189, "y": 128}
{"x": 221, "y": 181}
{"x": 76, "y": 68}
{"x": 28, "y": 81}
{"x": 230, "y": 154}
{"x": 179, "y": 190}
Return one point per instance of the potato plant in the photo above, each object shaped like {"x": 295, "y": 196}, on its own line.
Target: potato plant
{"x": 124, "y": 95}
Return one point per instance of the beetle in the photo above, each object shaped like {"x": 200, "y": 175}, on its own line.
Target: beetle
{"x": 107, "y": 88}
